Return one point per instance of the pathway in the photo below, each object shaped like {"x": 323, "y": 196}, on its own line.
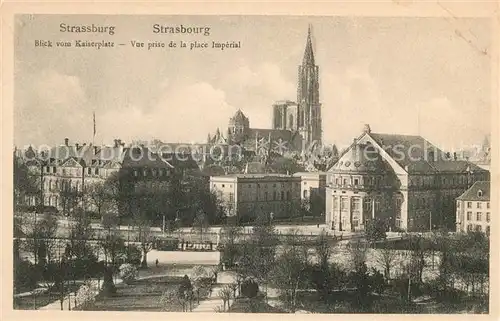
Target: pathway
{"x": 214, "y": 302}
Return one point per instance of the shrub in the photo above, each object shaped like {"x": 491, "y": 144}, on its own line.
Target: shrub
{"x": 86, "y": 294}
{"x": 25, "y": 275}
{"x": 249, "y": 288}
{"x": 128, "y": 272}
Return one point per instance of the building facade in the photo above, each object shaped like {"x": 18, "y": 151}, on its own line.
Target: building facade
{"x": 473, "y": 209}
{"x": 313, "y": 191}
{"x": 247, "y": 196}
{"x": 402, "y": 180}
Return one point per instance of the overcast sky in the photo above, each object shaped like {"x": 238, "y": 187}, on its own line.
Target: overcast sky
{"x": 379, "y": 71}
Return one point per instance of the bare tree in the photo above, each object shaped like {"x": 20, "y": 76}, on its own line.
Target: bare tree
{"x": 386, "y": 258}
{"x": 225, "y": 294}
{"x": 201, "y": 224}
{"x": 100, "y": 196}
{"x": 146, "y": 238}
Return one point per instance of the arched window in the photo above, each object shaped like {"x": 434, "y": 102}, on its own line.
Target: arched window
{"x": 479, "y": 193}
{"x": 290, "y": 121}
{"x": 305, "y": 193}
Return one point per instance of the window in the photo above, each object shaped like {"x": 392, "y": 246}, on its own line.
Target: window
{"x": 488, "y": 217}
{"x": 89, "y": 171}
{"x": 283, "y": 194}
{"x": 345, "y": 181}
{"x": 274, "y": 195}
{"x": 479, "y": 216}
{"x": 343, "y": 204}
{"x": 487, "y": 204}
{"x": 54, "y": 170}
{"x": 478, "y": 204}
{"x": 336, "y": 181}
{"x": 479, "y": 228}
{"x": 305, "y": 193}
{"x": 469, "y": 216}
{"x": 355, "y": 204}
{"x": 160, "y": 172}
{"x": 356, "y": 181}
{"x": 305, "y": 183}
{"x": 469, "y": 204}
{"x": 50, "y": 185}
{"x": 479, "y": 193}
{"x": 231, "y": 197}
{"x": 335, "y": 199}
{"x": 265, "y": 196}
{"x": 64, "y": 171}
{"x": 488, "y": 230}
{"x": 469, "y": 227}
{"x": 47, "y": 169}
{"x": 223, "y": 185}
{"x": 136, "y": 173}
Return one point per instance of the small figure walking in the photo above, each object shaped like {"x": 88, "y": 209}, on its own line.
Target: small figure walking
{"x": 157, "y": 262}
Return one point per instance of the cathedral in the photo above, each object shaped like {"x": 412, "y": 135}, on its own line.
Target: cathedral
{"x": 296, "y": 124}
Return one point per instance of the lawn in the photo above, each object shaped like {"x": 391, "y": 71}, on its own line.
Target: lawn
{"x": 41, "y": 300}
{"x": 139, "y": 295}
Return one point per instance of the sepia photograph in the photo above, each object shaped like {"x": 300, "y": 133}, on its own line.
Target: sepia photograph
{"x": 285, "y": 164}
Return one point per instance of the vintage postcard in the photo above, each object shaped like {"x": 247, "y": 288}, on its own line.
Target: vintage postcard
{"x": 337, "y": 162}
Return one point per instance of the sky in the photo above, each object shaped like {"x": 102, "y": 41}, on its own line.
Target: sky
{"x": 419, "y": 76}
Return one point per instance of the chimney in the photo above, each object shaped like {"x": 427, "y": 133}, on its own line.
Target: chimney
{"x": 66, "y": 141}
{"x": 366, "y": 129}
{"x": 96, "y": 150}
{"x": 355, "y": 148}
{"x": 77, "y": 146}
{"x": 116, "y": 142}
{"x": 455, "y": 156}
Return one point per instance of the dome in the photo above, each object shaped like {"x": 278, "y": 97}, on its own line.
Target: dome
{"x": 360, "y": 158}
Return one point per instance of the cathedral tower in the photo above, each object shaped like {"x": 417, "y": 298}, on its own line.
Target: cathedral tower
{"x": 309, "y": 111}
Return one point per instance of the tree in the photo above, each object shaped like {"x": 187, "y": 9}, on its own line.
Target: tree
{"x": 229, "y": 234}
{"x": 249, "y": 288}
{"x": 200, "y": 224}
{"x": 40, "y": 230}
{"x": 322, "y": 277}
{"x": 375, "y": 231}
{"x": 79, "y": 234}
{"x": 100, "y": 196}
{"x": 199, "y": 280}
{"x": 185, "y": 293}
{"x": 146, "y": 238}
{"x": 289, "y": 274}
{"x": 225, "y": 294}
{"x": 386, "y": 258}
{"x": 69, "y": 196}
{"x": 25, "y": 183}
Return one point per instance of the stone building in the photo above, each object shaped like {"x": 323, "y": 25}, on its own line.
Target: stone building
{"x": 295, "y": 125}
{"x": 247, "y": 196}
{"x": 401, "y": 179}
{"x": 313, "y": 190}
{"x": 473, "y": 209}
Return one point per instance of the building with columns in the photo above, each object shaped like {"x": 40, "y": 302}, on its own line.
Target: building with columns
{"x": 403, "y": 180}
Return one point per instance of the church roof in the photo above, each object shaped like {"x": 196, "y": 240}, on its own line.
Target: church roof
{"x": 239, "y": 116}
{"x": 308, "y": 53}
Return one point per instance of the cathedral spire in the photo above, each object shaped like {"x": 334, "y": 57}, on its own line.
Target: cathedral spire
{"x": 308, "y": 53}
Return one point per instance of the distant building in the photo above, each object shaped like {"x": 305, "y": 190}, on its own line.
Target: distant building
{"x": 473, "y": 209}
{"x": 247, "y": 196}
{"x": 401, "y": 179}
{"x": 295, "y": 125}
{"x": 313, "y": 190}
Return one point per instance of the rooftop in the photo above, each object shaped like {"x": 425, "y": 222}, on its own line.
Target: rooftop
{"x": 480, "y": 191}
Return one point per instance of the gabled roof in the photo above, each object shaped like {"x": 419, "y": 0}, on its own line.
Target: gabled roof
{"x": 479, "y": 191}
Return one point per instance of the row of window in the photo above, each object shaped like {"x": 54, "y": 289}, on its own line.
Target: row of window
{"x": 153, "y": 172}
{"x": 478, "y": 204}
{"x": 72, "y": 171}
{"x": 479, "y": 216}
{"x": 258, "y": 185}
{"x": 356, "y": 181}
{"x": 355, "y": 203}
{"x": 477, "y": 228}
{"x": 56, "y": 185}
